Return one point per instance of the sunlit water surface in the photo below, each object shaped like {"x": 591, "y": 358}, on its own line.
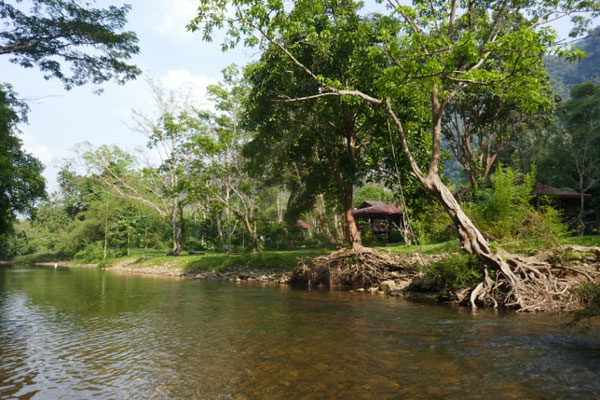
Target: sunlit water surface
{"x": 75, "y": 333}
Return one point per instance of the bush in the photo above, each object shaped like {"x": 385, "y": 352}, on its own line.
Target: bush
{"x": 39, "y": 258}
{"x": 94, "y": 252}
{"x": 505, "y": 212}
{"x": 453, "y": 273}
{"x": 589, "y": 293}
{"x": 433, "y": 225}
{"x": 367, "y": 237}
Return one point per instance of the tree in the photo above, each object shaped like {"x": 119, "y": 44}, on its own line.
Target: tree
{"x": 320, "y": 144}
{"x": 159, "y": 188}
{"x": 436, "y": 51}
{"x": 479, "y": 126}
{"x": 574, "y": 157}
{"x": 565, "y": 73}
{"x": 21, "y": 183}
{"x": 128, "y": 227}
{"x": 56, "y": 33}
{"x": 50, "y": 35}
{"x": 221, "y": 174}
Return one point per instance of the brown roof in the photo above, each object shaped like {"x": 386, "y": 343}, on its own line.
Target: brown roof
{"x": 541, "y": 189}
{"x": 377, "y": 207}
{"x": 301, "y": 224}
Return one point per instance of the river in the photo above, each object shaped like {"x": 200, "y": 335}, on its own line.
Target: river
{"x": 86, "y": 333}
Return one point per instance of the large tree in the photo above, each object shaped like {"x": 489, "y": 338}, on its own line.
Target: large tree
{"x": 480, "y": 127}
{"x": 321, "y": 145}
{"x": 21, "y": 183}
{"x": 159, "y": 187}
{"x": 436, "y": 49}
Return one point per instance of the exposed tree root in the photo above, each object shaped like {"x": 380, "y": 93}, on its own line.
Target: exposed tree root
{"x": 543, "y": 282}
{"x": 362, "y": 267}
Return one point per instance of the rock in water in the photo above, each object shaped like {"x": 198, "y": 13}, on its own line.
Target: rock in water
{"x": 388, "y": 286}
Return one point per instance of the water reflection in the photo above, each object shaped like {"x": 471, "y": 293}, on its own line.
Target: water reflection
{"x": 72, "y": 333}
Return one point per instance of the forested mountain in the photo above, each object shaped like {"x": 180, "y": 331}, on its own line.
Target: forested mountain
{"x": 565, "y": 74}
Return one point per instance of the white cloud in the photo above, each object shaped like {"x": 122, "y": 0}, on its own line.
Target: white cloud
{"x": 175, "y": 15}
{"x": 42, "y": 153}
{"x": 33, "y": 147}
{"x": 187, "y": 86}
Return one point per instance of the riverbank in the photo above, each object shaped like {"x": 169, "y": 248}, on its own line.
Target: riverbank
{"x": 435, "y": 271}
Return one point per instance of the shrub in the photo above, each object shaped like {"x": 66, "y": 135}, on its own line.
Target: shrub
{"x": 94, "y": 252}
{"x": 367, "y": 237}
{"x": 589, "y": 293}
{"x": 505, "y": 211}
{"x": 454, "y": 272}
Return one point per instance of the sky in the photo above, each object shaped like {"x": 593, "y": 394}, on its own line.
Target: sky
{"x": 59, "y": 119}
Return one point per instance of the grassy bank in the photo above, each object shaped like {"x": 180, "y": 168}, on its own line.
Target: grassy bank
{"x": 268, "y": 260}
{"x": 195, "y": 263}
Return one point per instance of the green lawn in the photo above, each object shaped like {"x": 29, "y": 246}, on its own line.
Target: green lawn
{"x": 452, "y": 246}
{"x": 277, "y": 260}
{"x": 268, "y": 260}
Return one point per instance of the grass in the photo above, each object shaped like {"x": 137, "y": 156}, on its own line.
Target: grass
{"x": 451, "y": 246}
{"x": 39, "y": 258}
{"x": 194, "y": 263}
{"x": 275, "y": 260}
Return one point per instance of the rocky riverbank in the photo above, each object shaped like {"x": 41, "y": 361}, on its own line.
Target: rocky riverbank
{"x": 244, "y": 276}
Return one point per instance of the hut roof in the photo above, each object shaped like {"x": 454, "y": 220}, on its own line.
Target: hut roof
{"x": 541, "y": 189}
{"x": 375, "y": 207}
{"x": 301, "y": 224}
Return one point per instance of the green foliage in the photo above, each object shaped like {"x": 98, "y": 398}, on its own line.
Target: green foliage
{"x": 93, "y": 252}
{"x": 368, "y": 237}
{"x": 589, "y": 294}
{"x": 21, "y": 182}
{"x": 275, "y": 261}
{"x": 506, "y": 213}
{"x": 432, "y": 225}
{"x": 51, "y": 34}
{"x": 567, "y": 73}
{"x": 39, "y": 258}
{"x": 454, "y": 273}
{"x": 128, "y": 228}
{"x": 372, "y": 192}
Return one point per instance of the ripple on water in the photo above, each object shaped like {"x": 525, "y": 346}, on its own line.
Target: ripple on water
{"x": 86, "y": 333}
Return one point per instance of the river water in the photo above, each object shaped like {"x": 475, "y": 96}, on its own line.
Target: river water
{"x": 85, "y": 333}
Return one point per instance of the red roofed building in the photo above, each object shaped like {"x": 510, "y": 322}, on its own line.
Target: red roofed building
{"x": 379, "y": 216}
{"x": 301, "y": 224}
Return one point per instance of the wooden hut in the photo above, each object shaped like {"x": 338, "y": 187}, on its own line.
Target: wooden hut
{"x": 302, "y": 228}
{"x": 380, "y": 217}
{"x": 566, "y": 201}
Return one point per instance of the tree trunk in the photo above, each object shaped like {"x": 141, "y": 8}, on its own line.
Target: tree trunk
{"x": 471, "y": 239}
{"x": 581, "y": 213}
{"x": 351, "y": 229}
{"x": 252, "y": 231}
{"x": 176, "y": 236}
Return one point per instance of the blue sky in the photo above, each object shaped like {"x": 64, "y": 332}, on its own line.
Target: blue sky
{"x": 59, "y": 119}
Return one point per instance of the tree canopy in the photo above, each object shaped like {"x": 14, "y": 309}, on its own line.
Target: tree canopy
{"x": 54, "y": 34}
{"x": 21, "y": 183}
